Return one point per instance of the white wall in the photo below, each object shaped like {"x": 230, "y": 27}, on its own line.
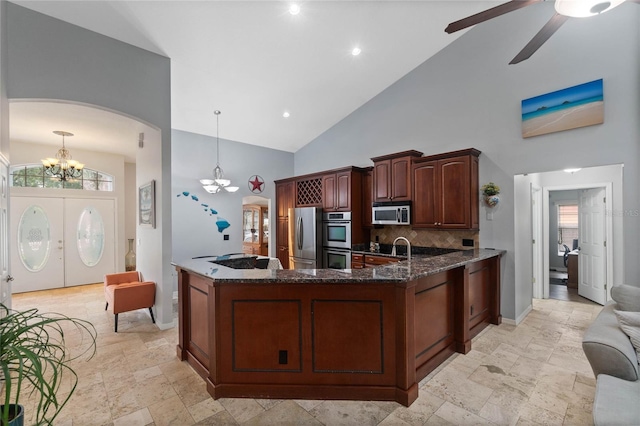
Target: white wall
{"x": 468, "y": 96}
{"x": 51, "y": 59}
{"x": 194, "y": 157}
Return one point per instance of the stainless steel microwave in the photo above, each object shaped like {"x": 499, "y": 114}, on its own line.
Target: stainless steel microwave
{"x": 391, "y": 213}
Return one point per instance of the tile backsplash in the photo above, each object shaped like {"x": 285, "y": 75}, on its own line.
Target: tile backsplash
{"x": 425, "y": 237}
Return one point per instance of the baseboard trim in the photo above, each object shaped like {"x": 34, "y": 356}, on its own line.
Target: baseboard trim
{"x": 166, "y": 326}
{"x": 520, "y": 318}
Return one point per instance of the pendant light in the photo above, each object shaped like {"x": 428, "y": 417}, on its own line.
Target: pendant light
{"x": 63, "y": 166}
{"x": 215, "y": 185}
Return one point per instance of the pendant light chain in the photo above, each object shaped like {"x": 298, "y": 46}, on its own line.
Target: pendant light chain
{"x": 218, "y": 182}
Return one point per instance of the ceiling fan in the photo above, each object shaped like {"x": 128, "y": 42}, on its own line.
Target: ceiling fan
{"x": 565, "y": 9}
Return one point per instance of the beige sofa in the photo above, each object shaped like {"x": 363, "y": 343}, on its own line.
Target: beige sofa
{"x": 614, "y": 361}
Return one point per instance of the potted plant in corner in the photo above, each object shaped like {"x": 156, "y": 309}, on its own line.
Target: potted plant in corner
{"x": 490, "y": 193}
{"x": 34, "y": 359}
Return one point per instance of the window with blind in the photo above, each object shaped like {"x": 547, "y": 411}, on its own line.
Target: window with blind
{"x": 567, "y": 226}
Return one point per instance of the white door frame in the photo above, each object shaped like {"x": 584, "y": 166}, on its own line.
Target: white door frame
{"x": 608, "y": 186}
{"x": 537, "y": 242}
{"x": 5, "y": 251}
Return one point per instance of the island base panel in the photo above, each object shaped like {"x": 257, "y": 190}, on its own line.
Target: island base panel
{"x": 319, "y": 392}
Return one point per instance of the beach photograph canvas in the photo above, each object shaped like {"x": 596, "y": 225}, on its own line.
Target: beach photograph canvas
{"x": 570, "y": 108}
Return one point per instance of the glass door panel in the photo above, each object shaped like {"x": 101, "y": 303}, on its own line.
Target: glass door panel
{"x": 90, "y": 233}
{"x": 34, "y": 238}
{"x": 90, "y": 236}
{"x": 37, "y": 241}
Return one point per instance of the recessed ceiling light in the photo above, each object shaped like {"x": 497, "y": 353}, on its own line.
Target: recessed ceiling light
{"x": 286, "y": 114}
{"x": 356, "y": 51}
{"x": 294, "y": 9}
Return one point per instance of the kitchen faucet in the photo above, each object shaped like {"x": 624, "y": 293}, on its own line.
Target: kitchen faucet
{"x": 393, "y": 250}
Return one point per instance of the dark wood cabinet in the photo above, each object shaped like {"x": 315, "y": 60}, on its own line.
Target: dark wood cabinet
{"x": 255, "y": 230}
{"x": 285, "y": 196}
{"x": 369, "y": 340}
{"x": 357, "y": 261}
{"x": 392, "y": 176}
{"x": 337, "y": 191}
{"x": 445, "y": 191}
{"x": 367, "y": 198}
{"x": 360, "y": 261}
{"x": 372, "y": 261}
{"x": 572, "y": 270}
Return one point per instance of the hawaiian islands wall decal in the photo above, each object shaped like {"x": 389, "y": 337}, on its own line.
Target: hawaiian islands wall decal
{"x": 221, "y": 223}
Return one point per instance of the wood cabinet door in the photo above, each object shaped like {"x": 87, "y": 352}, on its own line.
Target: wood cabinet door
{"x": 329, "y": 192}
{"x": 455, "y": 201}
{"x": 382, "y": 181}
{"x": 374, "y": 261}
{"x": 343, "y": 191}
{"x": 282, "y": 242}
{"x": 367, "y": 199}
{"x": 284, "y": 199}
{"x": 400, "y": 179}
{"x": 426, "y": 196}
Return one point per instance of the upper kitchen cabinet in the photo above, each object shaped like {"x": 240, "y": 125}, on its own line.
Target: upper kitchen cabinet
{"x": 392, "y": 176}
{"x": 342, "y": 190}
{"x": 367, "y": 197}
{"x": 445, "y": 190}
{"x": 285, "y": 195}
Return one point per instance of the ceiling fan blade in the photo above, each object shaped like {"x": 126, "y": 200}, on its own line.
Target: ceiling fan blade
{"x": 539, "y": 39}
{"x": 488, "y": 14}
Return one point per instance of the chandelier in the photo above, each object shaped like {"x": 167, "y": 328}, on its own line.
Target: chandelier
{"x": 63, "y": 167}
{"x": 218, "y": 182}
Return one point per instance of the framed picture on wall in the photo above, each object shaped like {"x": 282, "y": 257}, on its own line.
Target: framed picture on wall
{"x": 147, "y": 204}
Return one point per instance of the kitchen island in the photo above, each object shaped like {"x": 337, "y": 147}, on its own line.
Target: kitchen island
{"x": 368, "y": 334}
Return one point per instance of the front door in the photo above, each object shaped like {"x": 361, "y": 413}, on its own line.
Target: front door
{"x": 89, "y": 236}
{"x": 37, "y": 243}
{"x": 61, "y": 242}
{"x": 592, "y": 245}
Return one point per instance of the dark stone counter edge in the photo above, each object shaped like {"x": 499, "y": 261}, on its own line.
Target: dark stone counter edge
{"x": 403, "y": 271}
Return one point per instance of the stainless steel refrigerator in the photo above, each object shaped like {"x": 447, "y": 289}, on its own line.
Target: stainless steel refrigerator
{"x": 305, "y": 238}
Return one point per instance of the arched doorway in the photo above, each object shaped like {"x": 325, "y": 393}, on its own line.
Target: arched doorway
{"x": 104, "y": 140}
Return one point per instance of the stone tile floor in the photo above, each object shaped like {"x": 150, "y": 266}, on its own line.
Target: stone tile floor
{"x": 535, "y": 373}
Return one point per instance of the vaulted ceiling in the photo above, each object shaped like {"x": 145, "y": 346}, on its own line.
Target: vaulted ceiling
{"x": 255, "y": 60}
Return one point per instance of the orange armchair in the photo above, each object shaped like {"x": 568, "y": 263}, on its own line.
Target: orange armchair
{"x": 126, "y": 292}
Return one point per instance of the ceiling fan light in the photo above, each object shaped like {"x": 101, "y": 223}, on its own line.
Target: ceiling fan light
{"x": 585, "y": 8}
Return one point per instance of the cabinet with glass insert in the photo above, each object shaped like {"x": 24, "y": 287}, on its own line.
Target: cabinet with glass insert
{"x": 255, "y": 230}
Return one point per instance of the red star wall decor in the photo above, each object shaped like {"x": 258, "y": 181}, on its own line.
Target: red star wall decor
{"x": 256, "y": 184}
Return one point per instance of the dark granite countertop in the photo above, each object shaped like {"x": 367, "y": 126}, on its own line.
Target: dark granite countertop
{"x": 401, "y": 250}
{"x": 403, "y": 271}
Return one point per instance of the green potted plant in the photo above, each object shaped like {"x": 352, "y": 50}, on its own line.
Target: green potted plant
{"x": 490, "y": 193}
{"x": 34, "y": 359}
